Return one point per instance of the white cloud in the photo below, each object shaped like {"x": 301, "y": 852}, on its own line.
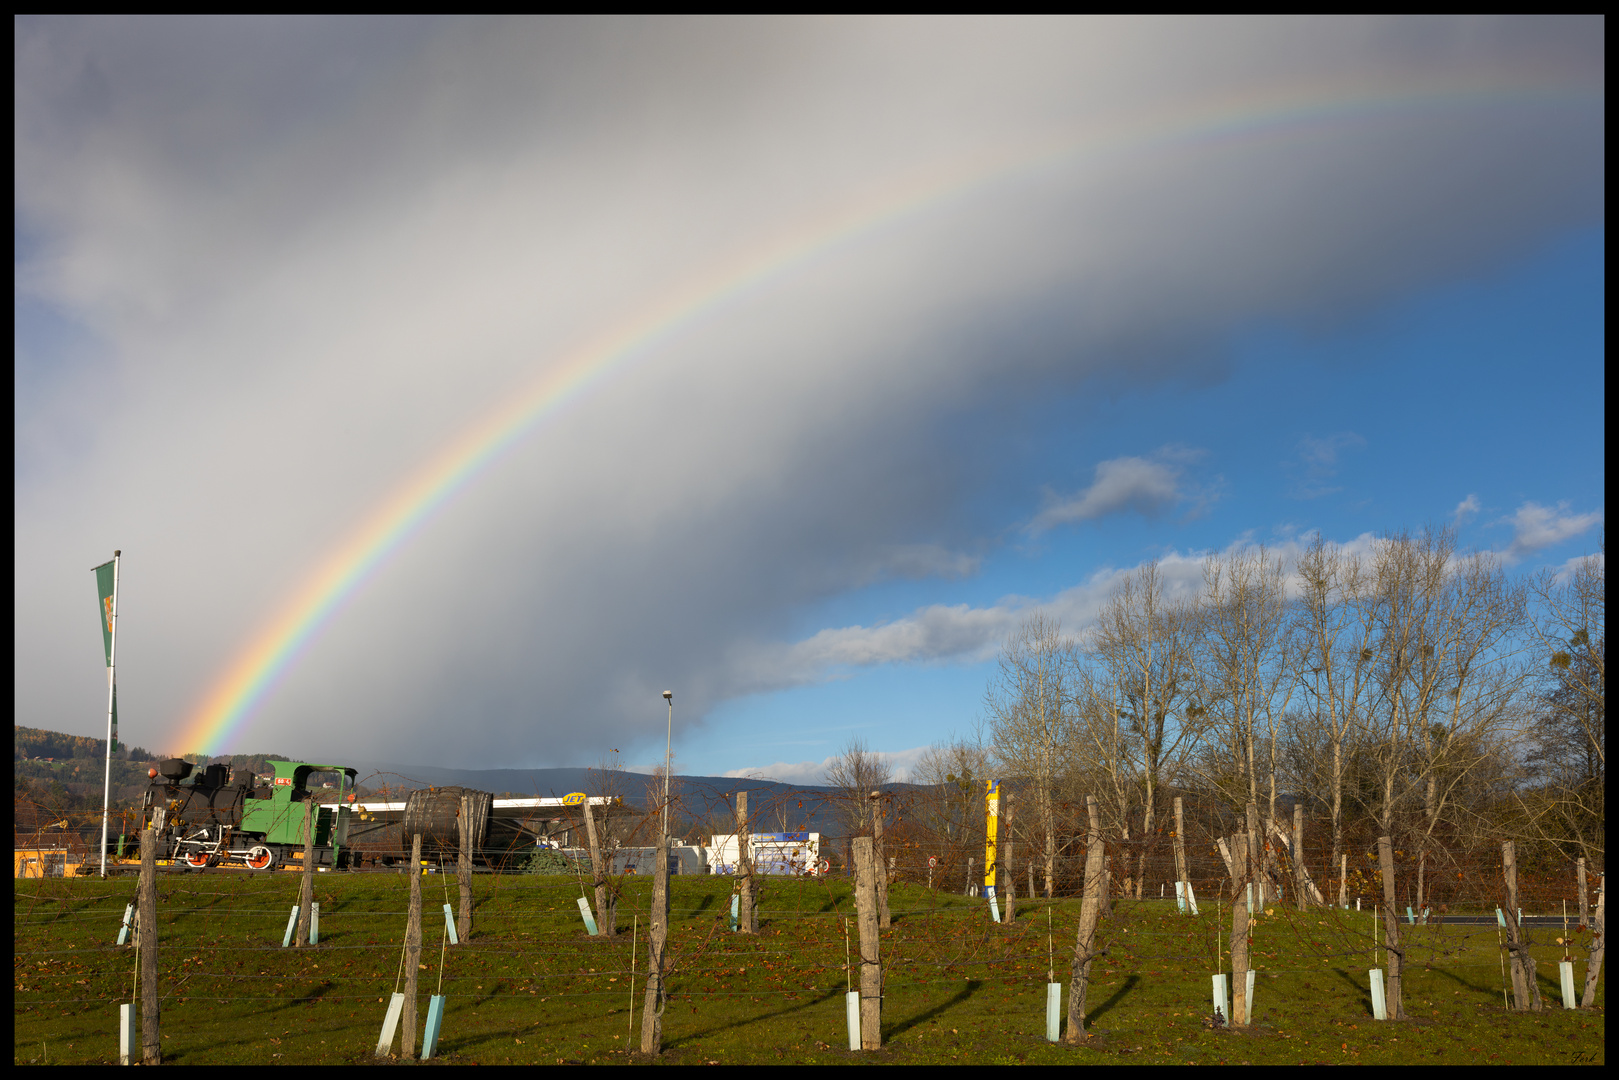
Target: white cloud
{"x": 1467, "y": 509}
{"x": 1535, "y": 527}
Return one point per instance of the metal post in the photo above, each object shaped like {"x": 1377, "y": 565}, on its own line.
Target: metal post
{"x": 112, "y": 705}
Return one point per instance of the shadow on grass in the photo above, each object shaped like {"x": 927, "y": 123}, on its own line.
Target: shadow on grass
{"x": 967, "y": 991}
{"x": 1457, "y": 979}
{"x": 1103, "y": 1009}
{"x": 1364, "y": 993}
{"x": 752, "y": 1018}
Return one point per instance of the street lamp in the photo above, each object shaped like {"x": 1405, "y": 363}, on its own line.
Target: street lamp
{"x": 668, "y": 747}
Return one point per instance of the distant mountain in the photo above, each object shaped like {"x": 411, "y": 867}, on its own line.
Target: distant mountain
{"x": 774, "y": 805}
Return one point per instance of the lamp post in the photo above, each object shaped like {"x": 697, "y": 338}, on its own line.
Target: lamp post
{"x": 668, "y": 748}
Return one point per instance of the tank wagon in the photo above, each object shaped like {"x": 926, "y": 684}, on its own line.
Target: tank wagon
{"x": 209, "y": 821}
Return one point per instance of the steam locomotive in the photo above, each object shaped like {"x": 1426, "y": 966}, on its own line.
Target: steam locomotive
{"x": 210, "y": 821}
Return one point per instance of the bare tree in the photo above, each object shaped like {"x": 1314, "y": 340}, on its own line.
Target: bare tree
{"x": 1028, "y": 707}
{"x": 1565, "y": 803}
{"x": 1136, "y": 709}
{"x": 856, "y": 773}
{"x": 1334, "y": 629}
{"x": 954, "y": 772}
{"x": 1449, "y": 676}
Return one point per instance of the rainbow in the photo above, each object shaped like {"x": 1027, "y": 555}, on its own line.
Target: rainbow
{"x": 254, "y": 671}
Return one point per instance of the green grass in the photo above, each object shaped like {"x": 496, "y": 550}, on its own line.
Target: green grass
{"x": 531, "y": 988}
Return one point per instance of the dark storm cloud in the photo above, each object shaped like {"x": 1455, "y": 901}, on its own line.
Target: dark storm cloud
{"x": 305, "y": 254}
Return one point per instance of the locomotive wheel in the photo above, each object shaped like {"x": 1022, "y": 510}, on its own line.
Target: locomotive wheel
{"x": 260, "y": 858}
{"x": 197, "y": 859}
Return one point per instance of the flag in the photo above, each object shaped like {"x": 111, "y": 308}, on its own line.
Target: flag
{"x": 105, "y": 583}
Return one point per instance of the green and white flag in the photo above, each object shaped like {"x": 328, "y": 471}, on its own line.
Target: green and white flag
{"x": 106, "y": 583}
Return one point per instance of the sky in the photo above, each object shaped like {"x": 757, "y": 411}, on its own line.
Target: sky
{"x": 454, "y": 387}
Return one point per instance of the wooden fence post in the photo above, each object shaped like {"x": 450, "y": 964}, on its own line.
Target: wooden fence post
{"x": 606, "y": 909}
{"x": 1006, "y": 862}
{"x": 868, "y": 873}
{"x": 151, "y": 1006}
{"x": 1524, "y": 990}
{"x": 463, "y": 876}
{"x": 747, "y": 917}
{"x": 657, "y": 950}
{"x": 1391, "y": 931}
{"x": 1242, "y": 884}
{"x": 879, "y": 855}
{"x": 1089, "y": 912}
{"x": 1593, "y": 966}
{"x": 413, "y": 948}
{"x": 1180, "y": 856}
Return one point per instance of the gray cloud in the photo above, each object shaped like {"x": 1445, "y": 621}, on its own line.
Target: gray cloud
{"x": 1144, "y": 485}
{"x": 298, "y": 257}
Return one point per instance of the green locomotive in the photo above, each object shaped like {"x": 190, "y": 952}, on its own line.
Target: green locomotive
{"x": 210, "y": 821}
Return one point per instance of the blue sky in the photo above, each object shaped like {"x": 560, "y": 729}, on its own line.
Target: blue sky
{"x": 1487, "y": 389}
{"x": 1286, "y": 276}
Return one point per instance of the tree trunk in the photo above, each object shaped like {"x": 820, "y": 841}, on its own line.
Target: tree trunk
{"x": 657, "y": 949}
{"x": 1256, "y": 854}
{"x": 1090, "y": 911}
{"x": 1180, "y": 854}
{"x": 868, "y": 875}
{"x": 413, "y": 947}
{"x": 1593, "y": 966}
{"x": 1585, "y": 905}
{"x": 151, "y": 1005}
{"x": 1298, "y": 856}
{"x": 606, "y": 910}
{"x": 1243, "y": 882}
{"x": 1525, "y": 992}
{"x": 1391, "y": 931}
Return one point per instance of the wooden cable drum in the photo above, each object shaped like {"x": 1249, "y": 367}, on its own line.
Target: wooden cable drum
{"x": 435, "y": 812}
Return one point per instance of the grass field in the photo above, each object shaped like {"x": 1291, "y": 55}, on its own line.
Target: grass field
{"x": 531, "y": 988}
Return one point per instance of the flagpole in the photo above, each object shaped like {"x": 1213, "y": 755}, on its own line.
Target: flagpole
{"x": 112, "y": 698}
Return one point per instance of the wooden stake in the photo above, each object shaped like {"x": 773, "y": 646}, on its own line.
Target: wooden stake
{"x": 151, "y": 1010}
{"x": 868, "y": 872}
{"x": 306, "y": 886}
{"x": 1090, "y": 911}
{"x": 882, "y": 863}
{"x": 1391, "y": 931}
{"x": 413, "y": 947}
{"x": 463, "y": 875}
{"x": 747, "y": 916}
{"x": 1006, "y": 861}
